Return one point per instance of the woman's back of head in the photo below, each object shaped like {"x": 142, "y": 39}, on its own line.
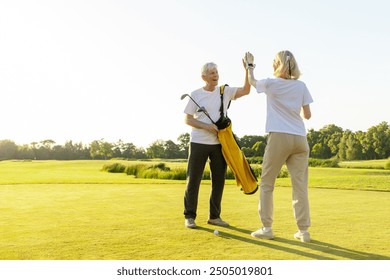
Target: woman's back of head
{"x": 285, "y": 66}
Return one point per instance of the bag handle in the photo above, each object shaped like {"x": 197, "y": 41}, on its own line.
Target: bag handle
{"x": 221, "y": 91}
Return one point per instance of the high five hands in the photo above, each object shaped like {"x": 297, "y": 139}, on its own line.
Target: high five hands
{"x": 248, "y": 61}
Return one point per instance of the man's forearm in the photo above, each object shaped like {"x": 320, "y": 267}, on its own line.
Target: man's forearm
{"x": 194, "y": 123}
{"x": 189, "y": 120}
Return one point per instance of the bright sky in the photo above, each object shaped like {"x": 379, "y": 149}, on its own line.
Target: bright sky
{"x": 84, "y": 70}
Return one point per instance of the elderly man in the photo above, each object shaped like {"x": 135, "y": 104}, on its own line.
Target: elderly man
{"x": 204, "y": 143}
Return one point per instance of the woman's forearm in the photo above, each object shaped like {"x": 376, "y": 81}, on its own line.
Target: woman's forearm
{"x": 251, "y": 77}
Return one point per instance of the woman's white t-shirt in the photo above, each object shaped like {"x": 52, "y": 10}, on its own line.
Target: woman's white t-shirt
{"x": 211, "y": 101}
{"x": 285, "y": 99}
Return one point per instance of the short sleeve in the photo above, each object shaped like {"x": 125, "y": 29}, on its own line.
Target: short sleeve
{"x": 230, "y": 92}
{"x": 261, "y": 85}
{"x": 191, "y": 108}
{"x": 307, "y": 99}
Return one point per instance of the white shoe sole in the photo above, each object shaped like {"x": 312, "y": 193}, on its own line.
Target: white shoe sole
{"x": 261, "y": 236}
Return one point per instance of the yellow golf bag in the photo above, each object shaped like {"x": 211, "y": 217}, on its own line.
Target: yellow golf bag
{"x": 237, "y": 162}
{"x": 233, "y": 155}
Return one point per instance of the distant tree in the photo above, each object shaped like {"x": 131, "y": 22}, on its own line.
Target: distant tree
{"x": 259, "y": 148}
{"x": 359, "y": 138}
{"x": 45, "y": 150}
{"x": 248, "y": 152}
{"x": 25, "y": 152}
{"x": 367, "y": 147}
{"x": 318, "y": 151}
{"x": 250, "y": 140}
{"x": 324, "y": 143}
{"x": 60, "y": 153}
{"x": 72, "y": 150}
{"x": 342, "y": 153}
{"x": 334, "y": 141}
{"x": 100, "y": 149}
{"x": 117, "y": 149}
{"x": 106, "y": 149}
{"x": 171, "y": 150}
{"x": 313, "y": 137}
{"x": 329, "y": 141}
{"x": 129, "y": 150}
{"x": 156, "y": 149}
{"x": 8, "y": 149}
{"x": 184, "y": 143}
{"x": 140, "y": 153}
{"x": 48, "y": 144}
{"x": 379, "y": 136}
{"x": 351, "y": 152}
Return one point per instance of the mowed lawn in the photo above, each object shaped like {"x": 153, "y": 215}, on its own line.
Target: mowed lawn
{"x": 71, "y": 210}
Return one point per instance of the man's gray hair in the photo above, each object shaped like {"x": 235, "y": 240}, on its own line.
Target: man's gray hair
{"x": 208, "y": 66}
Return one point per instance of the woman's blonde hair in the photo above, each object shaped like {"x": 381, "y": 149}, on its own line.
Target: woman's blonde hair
{"x": 287, "y": 66}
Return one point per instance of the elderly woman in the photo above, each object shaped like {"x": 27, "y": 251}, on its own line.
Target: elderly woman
{"x": 287, "y": 99}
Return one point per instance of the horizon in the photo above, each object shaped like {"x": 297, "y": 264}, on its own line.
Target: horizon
{"x": 174, "y": 140}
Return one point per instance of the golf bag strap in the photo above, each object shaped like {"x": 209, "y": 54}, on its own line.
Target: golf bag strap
{"x": 221, "y": 91}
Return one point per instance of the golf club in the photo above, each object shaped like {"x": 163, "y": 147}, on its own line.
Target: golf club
{"x": 200, "y": 109}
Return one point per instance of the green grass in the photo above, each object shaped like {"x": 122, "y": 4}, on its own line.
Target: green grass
{"x": 365, "y": 164}
{"x": 71, "y": 210}
{"x": 346, "y": 179}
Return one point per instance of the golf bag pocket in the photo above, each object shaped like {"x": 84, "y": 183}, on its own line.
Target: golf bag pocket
{"x": 223, "y": 122}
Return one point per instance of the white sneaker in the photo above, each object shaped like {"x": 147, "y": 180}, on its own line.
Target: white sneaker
{"x": 218, "y": 222}
{"x": 303, "y": 236}
{"x": 263, "y": 233}
{"x": 190, "y": 223}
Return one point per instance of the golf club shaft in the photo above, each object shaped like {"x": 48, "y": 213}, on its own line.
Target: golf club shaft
{"x": 205, "y": 112}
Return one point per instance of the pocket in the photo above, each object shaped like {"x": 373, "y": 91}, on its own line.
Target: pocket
{"x": 223, "y": 122}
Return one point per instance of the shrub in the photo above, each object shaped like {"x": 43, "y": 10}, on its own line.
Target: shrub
{"x": 255, "y": 160}
{"x": 157, "y": 171}
{"x": 161, "y": 171}
{"x": 229, "y": 174}
{"x": 134, "y": 169}
{"x": 206, "y": 175}
{"x": 179, "y": 174}
{"x": 162, "y": 166}
{"x": 152, "y": 173}
{"x": 149, "y": 173}
{"x": 315, "y": 162}
{"x": 387, "y": 164}
{"x": 283, "y": 173}
{"x": 114, "y": 167}
{"x": 257, "y": 170}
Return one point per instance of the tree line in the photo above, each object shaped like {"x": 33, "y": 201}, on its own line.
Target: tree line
{"x": 331, "y": 141}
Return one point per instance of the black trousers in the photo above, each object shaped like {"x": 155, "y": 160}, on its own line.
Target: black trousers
{"x": 198, "y": 156}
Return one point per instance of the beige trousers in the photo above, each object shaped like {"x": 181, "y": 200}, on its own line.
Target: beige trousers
{"x": 294, "y": 151}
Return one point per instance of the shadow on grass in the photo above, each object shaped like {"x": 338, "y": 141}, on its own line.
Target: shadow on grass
{"x": 286, "y": 245}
